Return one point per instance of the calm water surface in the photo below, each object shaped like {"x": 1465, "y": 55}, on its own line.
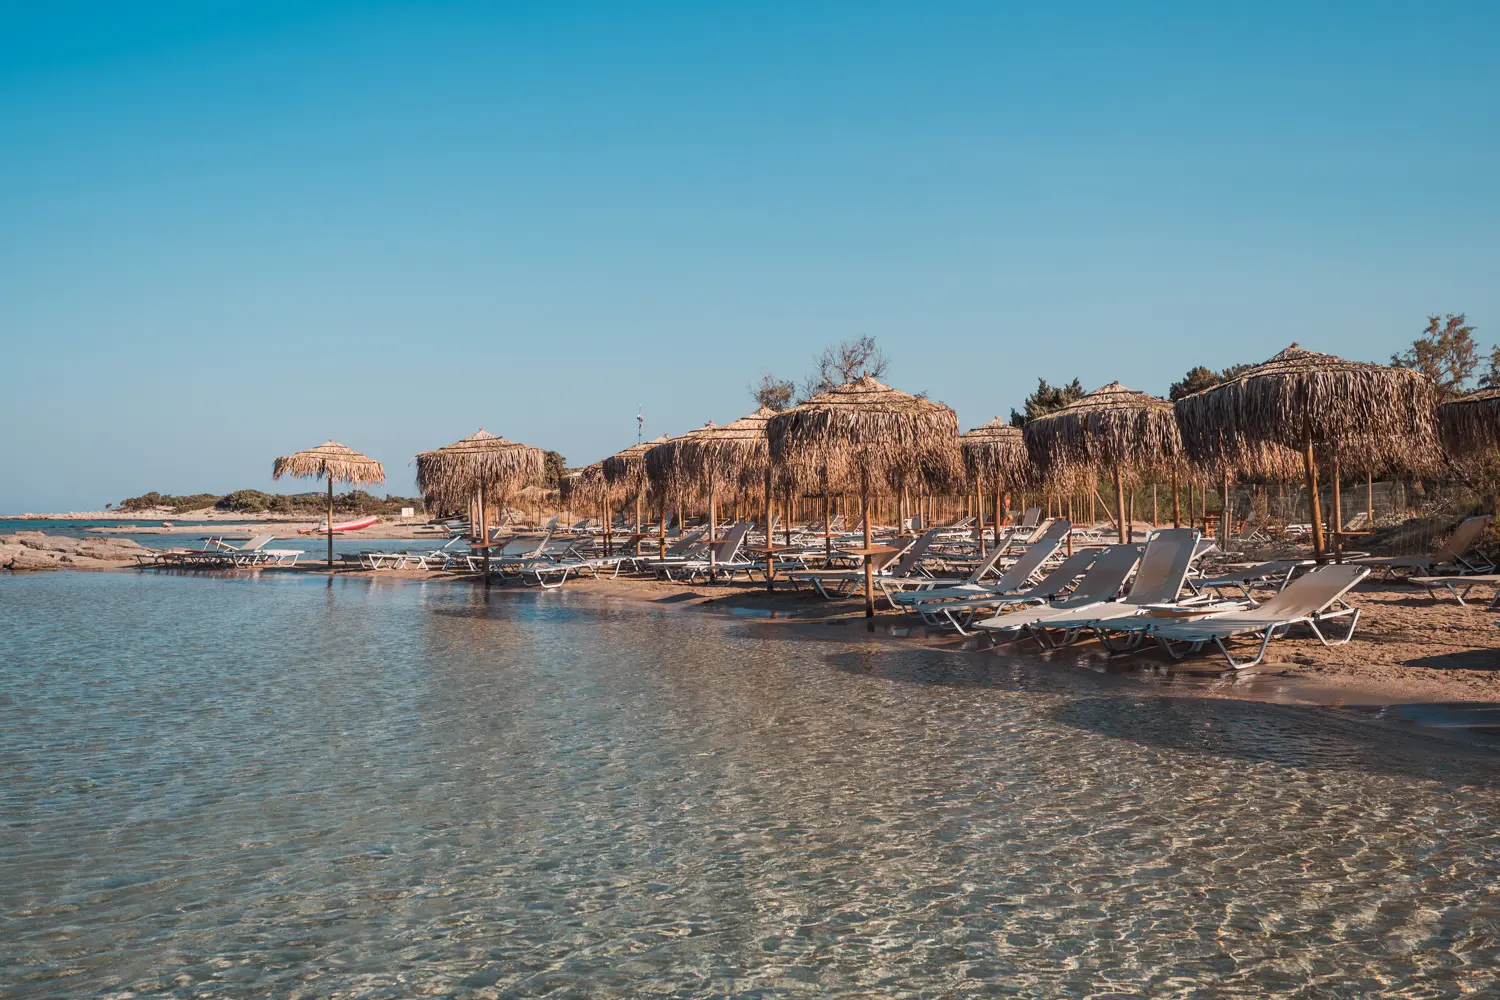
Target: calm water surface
{"x": 285, "y": 786}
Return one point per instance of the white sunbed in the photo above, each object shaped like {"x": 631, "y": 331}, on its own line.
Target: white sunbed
{"x": 1305, "y": 601}
{"x": 1101, "y": 584}
{"x": 956, "y": 613}
{"x": 1017, "y": 576}
{"x": 1158, "y": 583}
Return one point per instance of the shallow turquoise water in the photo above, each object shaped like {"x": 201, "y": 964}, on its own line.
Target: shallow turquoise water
{"x": 291, "y": 786}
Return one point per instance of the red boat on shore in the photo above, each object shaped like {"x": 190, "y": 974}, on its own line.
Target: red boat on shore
{"x": 322, "y": 527}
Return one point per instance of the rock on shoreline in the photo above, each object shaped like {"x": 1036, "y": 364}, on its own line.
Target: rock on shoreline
{"x": 30, "y": 550}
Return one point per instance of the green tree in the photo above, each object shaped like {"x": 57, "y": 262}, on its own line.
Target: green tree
{"x": 1199, "y": 378}
{"x": 1046, "y": 399}
{"x": 1448, "y": 354}
{"x": 553, "y": 470}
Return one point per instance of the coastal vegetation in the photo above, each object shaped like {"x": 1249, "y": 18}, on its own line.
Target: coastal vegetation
{"x": 256, "y": 502}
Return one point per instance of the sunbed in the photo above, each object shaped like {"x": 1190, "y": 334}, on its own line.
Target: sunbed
{"x": 1456, "y": 553}
{"x": 1305, "y": 601}
{"x": 956, "y": 613}
{"x": 1101, "y": 584}
{"x": 1277, "y": 573}
{"x": 723, "y": 558}
{"x": 1159, "y": 580}
{"x": 1459, "y": 586}
{"x": 913, "y": 591}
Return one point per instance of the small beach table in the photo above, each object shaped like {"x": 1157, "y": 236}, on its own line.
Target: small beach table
{"x": 868, "y": 555}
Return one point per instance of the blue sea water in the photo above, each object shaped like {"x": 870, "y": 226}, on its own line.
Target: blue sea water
{"x": 297, "y": 786}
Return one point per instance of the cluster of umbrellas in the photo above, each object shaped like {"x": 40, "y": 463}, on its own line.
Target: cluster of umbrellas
{"x": 1275, "y": 421}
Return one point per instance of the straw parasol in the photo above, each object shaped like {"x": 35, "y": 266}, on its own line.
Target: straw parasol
{"x": 335, "y": 461}
{"x": 625, "y": 471}
{"x": 476, "y": 466}
{"x": 729, "y": 458}
{"x": 862, "y": 433}
{"x": 994, "y": 455}
{"x": 1314, "y": 402}
{"x": 1111, "y": 429}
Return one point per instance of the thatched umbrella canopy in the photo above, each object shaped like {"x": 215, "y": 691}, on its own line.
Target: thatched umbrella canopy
{"x": 732, "y": 457}
{"x": 1112, "y": 429}
{"x": 1315, "y": 403}
{"x": 664, "y": 470}
{"x": 481, "y": 462}
{"x": 625, "y": 472}
{"x": 860, "y": 434}
{"x": 1470, "y": 425}
{"x": 994, "y": 456}
{"x": 478, "y": 466}
{"x": 335, "y": 461}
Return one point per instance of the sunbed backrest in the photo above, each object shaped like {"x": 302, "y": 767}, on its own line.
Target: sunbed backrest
{"x": 908, "y": 562}
{"x": 729, "y": 546}
{"x": 1069, "y": 570}
{"x": 1164, "y": 566}
{"x": 258, "y": 542}
{"x": 1031, "y": 560}
{"x": 1313, "y": 592}
{"x": 1462, "y": 539}
{"x": 1032, "y": 515}
{"x": 1107, "y": 575}
{"x": 685, "y": 542}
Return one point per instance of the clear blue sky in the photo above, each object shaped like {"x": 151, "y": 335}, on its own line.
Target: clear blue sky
{"x": 235, "y": 230}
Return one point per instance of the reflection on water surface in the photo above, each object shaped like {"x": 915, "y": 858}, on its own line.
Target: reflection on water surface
{"x": 290, "y": 786}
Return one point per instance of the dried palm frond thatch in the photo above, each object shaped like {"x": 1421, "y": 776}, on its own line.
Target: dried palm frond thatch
{"x": 863, "y": 434}
{"x": 995, "y": 455}
{"x": 1301, "y": 397}
{"x": 1470, "y": 424}
{"x": 1317, "y": 405}
{"x": 1113, "y": 429}
{"x": 333, "y": 460}
{"x": 627, "y": 469}
{"x": 664, "y": 470}
{"x": 336, "y": 462}
{"x": 732, "y": 458}
{"x": 482, "y": 462}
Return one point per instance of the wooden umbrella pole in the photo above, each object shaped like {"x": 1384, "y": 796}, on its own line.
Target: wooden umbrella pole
{"x": 638, "y": 499}
{"x": 607, "y": 519}
{"x": 827, "y": 530}
{"x": 661, "y": 528}
{"x": 999, "y": 511}
{"x": 1070, "y": 525}
{"x": 769, "y": 521}
{"x": 979, "y": 514}
{"x": 1315, "y": 507}
{"x": 1120, "y": 504}
{"x": 864, "y": 502}
{"x": 1370, "y": 500}
{"x": 1337, "y": 518}
{"x": 786, "y": 528}
{"x": 713, "y": 531}
{"x": 1224, "y": 518}
{"x": 1176, "y": 500}
{"x": 1155, "y": 508}
{"x": 330, "y": 514}
{"x": 484, "y": 533}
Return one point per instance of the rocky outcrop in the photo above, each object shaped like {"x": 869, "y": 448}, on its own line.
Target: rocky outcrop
{"x": 28, "y": 550}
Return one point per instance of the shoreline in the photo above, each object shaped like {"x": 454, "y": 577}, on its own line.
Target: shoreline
{"x": 1408, "y": 650}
